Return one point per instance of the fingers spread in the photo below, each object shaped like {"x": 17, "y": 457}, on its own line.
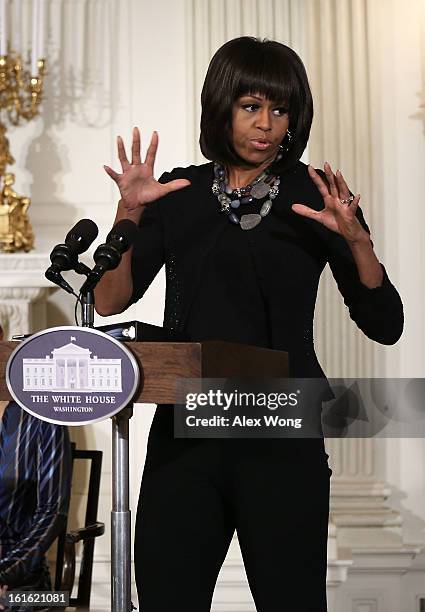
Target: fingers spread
{"x": 354, "y": 204}
{"x": 331, "y": 178}
{"x": 135, "y": 147}
{"x": 122, "y": 156}
{"x": 151, "y": 152}
{"x": 114, "y": 175}
{"x": 177, "y": 184}
{"x": 306, "y": 211}
{"x": 344, "y": 192}
{"x": 318, "y": 181}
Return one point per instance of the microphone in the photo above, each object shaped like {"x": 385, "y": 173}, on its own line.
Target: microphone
{"x": 108, "y": 255}
{"x": 78, "y": 240}
{"x": 65, "y": 256}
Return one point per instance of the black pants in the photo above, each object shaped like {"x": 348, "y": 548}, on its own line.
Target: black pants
{"x": 195, "y": 493}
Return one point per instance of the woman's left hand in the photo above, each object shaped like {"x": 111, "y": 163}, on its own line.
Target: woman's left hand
{"x": 340, "y": 218}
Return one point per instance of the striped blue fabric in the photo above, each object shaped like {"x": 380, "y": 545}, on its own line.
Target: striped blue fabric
{"x": 35, "y": 481}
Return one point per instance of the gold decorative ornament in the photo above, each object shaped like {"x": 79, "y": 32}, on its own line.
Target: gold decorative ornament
{"x": 20, "y": 98}
{"x": 15, "y": 229}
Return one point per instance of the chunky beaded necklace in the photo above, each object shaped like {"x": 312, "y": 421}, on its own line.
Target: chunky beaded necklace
{"x": 265, "y": 186}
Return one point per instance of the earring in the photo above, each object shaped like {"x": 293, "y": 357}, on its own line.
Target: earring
{"x": 288, "y": 135}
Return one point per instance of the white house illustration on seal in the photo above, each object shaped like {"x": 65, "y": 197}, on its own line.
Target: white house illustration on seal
{"x": 72, "y": 367}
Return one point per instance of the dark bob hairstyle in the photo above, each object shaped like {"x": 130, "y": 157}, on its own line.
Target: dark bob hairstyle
{"x": 249, "y": 65}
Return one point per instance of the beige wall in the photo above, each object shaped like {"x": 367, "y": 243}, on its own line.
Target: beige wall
{"x": 398, "y": 70}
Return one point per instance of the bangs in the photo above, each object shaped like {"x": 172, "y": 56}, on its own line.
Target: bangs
{"x": 263, "y": 71}
{"x": 276, "y": 85}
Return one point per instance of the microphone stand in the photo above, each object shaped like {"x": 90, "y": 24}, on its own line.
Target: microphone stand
{"x": 120, "y": 513}
{"x": 87, "y": 308}
{"x": 86, "y": 299}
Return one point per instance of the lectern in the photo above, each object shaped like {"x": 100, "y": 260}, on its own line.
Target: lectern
{"x": 161, "y": 364}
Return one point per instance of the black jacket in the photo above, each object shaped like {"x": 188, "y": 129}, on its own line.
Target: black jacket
{"x": 184, "y": 228}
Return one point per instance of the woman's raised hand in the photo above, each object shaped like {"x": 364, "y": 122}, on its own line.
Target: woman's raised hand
{"x": 337, "y": 216}
{"x": 136, "y": 183}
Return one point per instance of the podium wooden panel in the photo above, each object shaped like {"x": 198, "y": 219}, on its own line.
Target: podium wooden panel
{"x": 161, "y": 363}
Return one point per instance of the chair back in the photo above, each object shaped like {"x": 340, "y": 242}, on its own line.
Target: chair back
{"x": 65, "y": 556}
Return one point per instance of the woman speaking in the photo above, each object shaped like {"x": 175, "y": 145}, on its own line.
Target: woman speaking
{"x": 244, "y": 239}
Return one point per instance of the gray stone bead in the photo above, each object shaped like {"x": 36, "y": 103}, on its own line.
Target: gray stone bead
{"x": 260, "y": 190}
{"x": 266, "y": 207}
{"x": 249, "y": 221}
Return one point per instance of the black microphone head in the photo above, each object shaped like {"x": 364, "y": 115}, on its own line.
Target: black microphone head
{"x": 108, "y": 255}
{"x": 80, "y": 237}
{"x": 123, "y": 233}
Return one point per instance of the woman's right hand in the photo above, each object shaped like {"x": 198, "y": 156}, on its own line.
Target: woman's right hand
{"x": 136, "y": 183}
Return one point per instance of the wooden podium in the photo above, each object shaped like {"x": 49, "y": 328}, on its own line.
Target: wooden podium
{"x": 161, "y": 364}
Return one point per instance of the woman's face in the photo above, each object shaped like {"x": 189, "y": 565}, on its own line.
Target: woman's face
{"x": 258, "y": 127}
